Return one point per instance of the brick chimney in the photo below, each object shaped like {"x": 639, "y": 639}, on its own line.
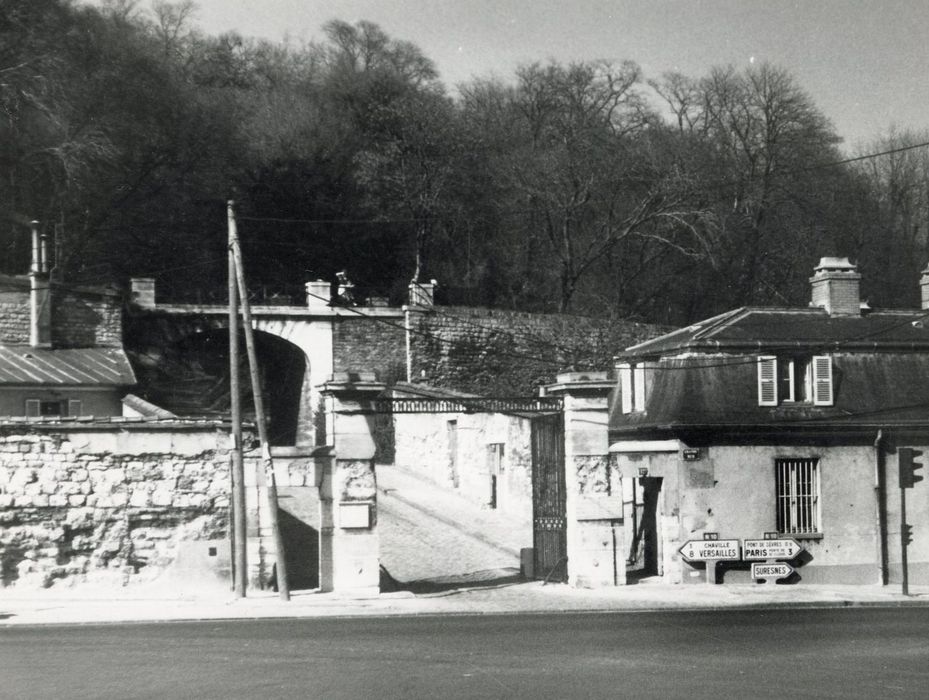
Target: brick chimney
{"x": 924, "y": 288}
{"x": 40, "y": 310}
{"x": 835, "y": 286}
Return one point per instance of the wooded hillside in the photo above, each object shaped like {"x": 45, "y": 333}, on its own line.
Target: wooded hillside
{"x": 585, "y": 188}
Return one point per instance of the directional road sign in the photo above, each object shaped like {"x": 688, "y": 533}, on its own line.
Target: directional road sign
{"x": 707, "y": 550}
{"x": 772, "y": 570}
{"x": 785, "y": 548}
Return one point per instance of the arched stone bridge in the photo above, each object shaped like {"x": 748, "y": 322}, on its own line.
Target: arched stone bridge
{"x": 181, "y": 354}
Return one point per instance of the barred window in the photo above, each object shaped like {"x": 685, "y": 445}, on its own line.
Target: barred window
{"x": 797, "y": 495}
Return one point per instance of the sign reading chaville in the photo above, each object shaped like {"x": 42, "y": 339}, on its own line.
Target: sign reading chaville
{"x": 707, "y": 550}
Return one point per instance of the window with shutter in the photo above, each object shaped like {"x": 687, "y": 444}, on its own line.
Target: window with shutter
{"x": 32, "y": 407}
{"x": 822, "y": 380}
{"x": 638, "y": 387}
{"x": 767, "y": 381}
{"x": 625, "y": 386}
{"x": 74, "y": 407}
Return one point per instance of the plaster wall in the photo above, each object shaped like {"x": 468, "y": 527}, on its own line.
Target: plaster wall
{"x": 731, "y": 491}
{"x": 424, "y": 443}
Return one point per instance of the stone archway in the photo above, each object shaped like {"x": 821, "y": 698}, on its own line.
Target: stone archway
{"x": 189, "y": 376}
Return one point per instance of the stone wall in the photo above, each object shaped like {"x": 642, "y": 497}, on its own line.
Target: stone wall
{"x": 86, "y": 318}
{"x": 114, "y": 505}
{"x": 80, "y": 317}
{"x": 489, "y": 351}
{"x": 370, "y": 344}
{"x": 14, "y": 323}
{"x": 485, "y": 457}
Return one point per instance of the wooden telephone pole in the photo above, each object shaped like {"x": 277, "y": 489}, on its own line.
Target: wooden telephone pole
{"x": 239, "y": 531}
{"x": 260, "y": 418}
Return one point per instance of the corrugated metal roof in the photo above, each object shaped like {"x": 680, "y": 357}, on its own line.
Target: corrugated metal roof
{"x": 26, "y": 365}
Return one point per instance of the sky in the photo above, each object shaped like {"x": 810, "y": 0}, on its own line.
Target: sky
{"x": 864, "y": 62}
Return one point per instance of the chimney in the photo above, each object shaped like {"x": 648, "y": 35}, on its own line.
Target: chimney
{"x": 142, "y": 292}
{"x": 924, "y": 288}
{"x": 836, "y": 287}
{"x": 40, "y": 311}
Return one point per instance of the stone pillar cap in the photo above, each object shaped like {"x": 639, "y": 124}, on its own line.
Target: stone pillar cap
{"x": 353, "y": 382}
{"x": 567, "y": 382}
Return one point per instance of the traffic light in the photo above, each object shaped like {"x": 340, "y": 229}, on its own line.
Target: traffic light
{"x": 906, "y": 534}
{"x": 906, "y": 457}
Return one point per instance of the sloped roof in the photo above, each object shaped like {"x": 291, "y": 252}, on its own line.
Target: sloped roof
{"x": 811, "y": 328}
{"x": 26, "y": 365}
{"x": 707, "y": 391}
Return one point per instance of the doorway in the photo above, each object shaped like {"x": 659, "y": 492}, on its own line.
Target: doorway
{"x": 645, "y": 555}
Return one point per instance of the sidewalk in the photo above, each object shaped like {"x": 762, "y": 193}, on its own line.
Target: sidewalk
{"x": 443, "y": 555}
{"x": 138, "y": 605}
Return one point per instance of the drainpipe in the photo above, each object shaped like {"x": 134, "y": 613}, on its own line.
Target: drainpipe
{"x": 880, "y": 496}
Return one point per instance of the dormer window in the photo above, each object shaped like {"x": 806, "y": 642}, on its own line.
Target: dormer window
{"x": 795, "y": 380}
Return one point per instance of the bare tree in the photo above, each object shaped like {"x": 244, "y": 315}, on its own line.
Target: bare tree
{"x": 582, "y": 153}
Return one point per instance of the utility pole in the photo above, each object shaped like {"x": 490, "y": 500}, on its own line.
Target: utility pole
{"x": 239, "y": 531}
{"x": 282, "y": 585}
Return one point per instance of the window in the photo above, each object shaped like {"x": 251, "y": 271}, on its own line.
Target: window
{"x": 41, "y": 407}
{"x": 633, "y": 379}
{"x": 785, "y": 380}
{"x": 797, "y": 484}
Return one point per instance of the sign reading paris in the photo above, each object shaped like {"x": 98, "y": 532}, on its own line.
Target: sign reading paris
{"x": 784, "y": 548}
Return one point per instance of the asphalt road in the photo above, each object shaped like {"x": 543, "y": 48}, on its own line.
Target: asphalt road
{"x": 837, "y": 653}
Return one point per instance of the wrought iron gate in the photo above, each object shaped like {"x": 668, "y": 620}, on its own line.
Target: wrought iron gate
{"x": 549, "y": 526}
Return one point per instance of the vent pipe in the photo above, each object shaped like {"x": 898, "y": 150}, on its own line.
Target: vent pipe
{"x": 40, "y": 313}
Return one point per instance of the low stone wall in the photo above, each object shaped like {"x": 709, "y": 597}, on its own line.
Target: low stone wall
{"x": 114, "y": 503}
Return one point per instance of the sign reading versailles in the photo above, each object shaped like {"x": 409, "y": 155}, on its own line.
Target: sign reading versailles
{"x": 707, "y": 550}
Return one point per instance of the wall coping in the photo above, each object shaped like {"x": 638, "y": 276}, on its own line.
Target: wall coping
{"x": 111, "y": 423}
{"x": 272, "y": 311}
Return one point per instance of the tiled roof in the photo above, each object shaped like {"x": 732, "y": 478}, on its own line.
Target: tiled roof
{"x": 26, "y": 365}
{"x": 813, "y": 328}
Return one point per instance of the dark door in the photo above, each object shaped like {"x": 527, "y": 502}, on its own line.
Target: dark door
{"x": 645, "y": 554}
{"x": 548, "y": 498}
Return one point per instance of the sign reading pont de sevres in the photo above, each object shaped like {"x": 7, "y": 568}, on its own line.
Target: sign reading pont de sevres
{"x": 785, "y": 548}
{"x": 706, "y": 550}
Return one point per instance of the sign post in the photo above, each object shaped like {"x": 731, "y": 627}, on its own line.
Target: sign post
{"x": 711, "y": 551}
{"x": 769, "y": 550}
{"x": 771, "y": 570}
